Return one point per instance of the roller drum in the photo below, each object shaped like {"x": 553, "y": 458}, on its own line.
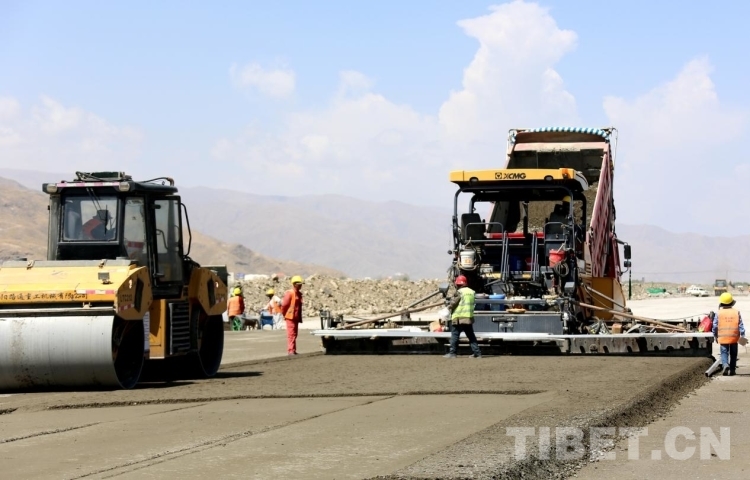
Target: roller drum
{"x": 71, "y": 351}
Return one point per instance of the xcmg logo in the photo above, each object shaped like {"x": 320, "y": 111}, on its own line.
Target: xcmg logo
{"x": 509, "y": 176}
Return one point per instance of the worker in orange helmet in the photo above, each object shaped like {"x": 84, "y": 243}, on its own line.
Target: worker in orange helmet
{"x": 462, "y": 318}
{"x": 291, "y": 308}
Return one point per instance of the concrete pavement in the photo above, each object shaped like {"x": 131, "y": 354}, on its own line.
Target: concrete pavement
{"x": 721, "y": 404}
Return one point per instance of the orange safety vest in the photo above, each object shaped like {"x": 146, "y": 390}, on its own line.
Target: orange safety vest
{"x": 292, "y": 304}
{"x": 236, "y": 306}
{"x": 728, "y": 329}
{"x": 273, "y": 307}
{"x": 89, "y": 227}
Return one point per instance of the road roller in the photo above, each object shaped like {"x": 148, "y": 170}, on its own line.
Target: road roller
{"x": 117, "y": 294}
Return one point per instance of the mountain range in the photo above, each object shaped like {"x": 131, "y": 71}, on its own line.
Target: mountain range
{"x": 375, "y": 239}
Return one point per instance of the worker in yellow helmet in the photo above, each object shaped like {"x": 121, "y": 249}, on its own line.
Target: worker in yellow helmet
{"x": 728, "y": 331}
{"x": 274, "y": 308}
{"x": 236, "y": 308}
{"x": 291, "y": 308}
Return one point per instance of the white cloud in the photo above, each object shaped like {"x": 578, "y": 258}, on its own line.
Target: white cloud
{"x": 352, "y": 82}
{"x": 363, "y": 144}
{"x": 276, "y": 83}
{"x": 678, "y": 143}
{"x": 49, "y": 135}
{"x": 511, "y": 82}
{"x": 9, "y": 108}
{"x": 678, "y": 148}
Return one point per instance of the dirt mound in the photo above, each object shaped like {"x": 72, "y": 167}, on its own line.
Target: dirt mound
{"x": 347, "y": 297}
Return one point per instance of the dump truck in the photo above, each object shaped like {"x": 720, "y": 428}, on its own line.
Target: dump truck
{"x": 116, "y": 294}
{"x": 720, "y": 286}
{"x": 536, "y": 239}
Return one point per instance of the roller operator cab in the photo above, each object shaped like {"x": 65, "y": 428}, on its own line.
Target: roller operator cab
{"x": 117, "y": 293}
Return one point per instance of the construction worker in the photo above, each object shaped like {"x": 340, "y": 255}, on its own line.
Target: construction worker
{"x": 727, "y": 330}
{"x": 462, "y": 318}
{"x": 291, "y": 308}
{"x": 96, "y": 227}
{"x": 560, "y": 215}
{"x": 274, "y": 308}
{"x": 236, "y": 308}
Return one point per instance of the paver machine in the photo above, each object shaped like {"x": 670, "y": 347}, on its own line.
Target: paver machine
{"x": 536, "y": 240}
{"x": 116, "y": 292}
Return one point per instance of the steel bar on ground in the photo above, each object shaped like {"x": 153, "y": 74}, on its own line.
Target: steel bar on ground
{"x": 634, "y": 317}
{"x": 390, "y": 315}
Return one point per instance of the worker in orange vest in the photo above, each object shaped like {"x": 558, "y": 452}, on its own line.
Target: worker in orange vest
{"x": 96, "y": 227}
{"x": 236, "y": 308}
{"x": 727, "y": 330}
{"x": 274, "y": 308}
{"x": 291, "y": 308}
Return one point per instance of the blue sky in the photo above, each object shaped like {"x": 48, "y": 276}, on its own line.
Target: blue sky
{"x": 149, "y": 83}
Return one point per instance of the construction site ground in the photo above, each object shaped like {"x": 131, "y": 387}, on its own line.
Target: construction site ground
{"x": 267, "y": 415}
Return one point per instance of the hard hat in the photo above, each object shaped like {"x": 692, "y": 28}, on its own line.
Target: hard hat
{"x": 566, "y": 198}
{"x": 726, "y": 299}
{"x": 237, "y": 290}
{"x": 297, "y": 279}
{"x": 270, "y": 291}
{"x": 461, "y": 281}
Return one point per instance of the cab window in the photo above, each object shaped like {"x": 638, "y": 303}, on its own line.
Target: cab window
{"x": 168, "y": 240}
{"x": 134, "y": 230}
{"x": 89, "y": 219}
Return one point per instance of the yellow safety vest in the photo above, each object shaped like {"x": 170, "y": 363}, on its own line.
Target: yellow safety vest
{"x": 465, "y": 308}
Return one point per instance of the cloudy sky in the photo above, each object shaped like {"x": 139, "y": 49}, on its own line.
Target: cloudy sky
{"x": 379, "y": 100}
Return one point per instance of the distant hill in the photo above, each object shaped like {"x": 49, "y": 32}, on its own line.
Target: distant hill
{"x": 23, "y": 233}
{"x": 358, "y": 237}
{"x": 23, "y": 221}
{"x": 374, "y": 239}
{"x": 660, "y": 255}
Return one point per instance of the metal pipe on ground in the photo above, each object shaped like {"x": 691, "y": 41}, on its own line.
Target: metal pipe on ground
{"x": 713, "y": 368}
{"x": 634, "y": 317}
{"x": 391, "y": 315}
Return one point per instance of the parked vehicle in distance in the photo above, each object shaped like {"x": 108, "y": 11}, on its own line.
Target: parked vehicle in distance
{"x": 697, "y": 291}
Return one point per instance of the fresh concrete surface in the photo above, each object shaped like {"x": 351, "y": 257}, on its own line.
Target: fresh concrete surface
{"x": 722, "y": 403}
{"x": 373, "y": 437}
{"x": 348, "y": 416}
{"x": 248, "y": 345}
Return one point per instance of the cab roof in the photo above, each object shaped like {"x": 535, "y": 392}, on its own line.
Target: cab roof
{"x": 119, "y": 181}
{"x": 533, "y": 177}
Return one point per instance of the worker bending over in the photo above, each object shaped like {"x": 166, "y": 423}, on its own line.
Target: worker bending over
{"x": 462, "y": 318}
{"x": 274, "y": 308}
{"x": 727, "y": 330}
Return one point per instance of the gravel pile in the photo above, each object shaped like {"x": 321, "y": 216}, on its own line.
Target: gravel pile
{"x": 347, "y": 297}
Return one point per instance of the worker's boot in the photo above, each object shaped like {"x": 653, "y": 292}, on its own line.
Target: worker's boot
{"x": 726, "y": 371}
{"x": 449, "y": 355}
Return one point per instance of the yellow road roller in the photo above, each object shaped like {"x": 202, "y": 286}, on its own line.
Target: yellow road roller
{"x": 116, "y": 295}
